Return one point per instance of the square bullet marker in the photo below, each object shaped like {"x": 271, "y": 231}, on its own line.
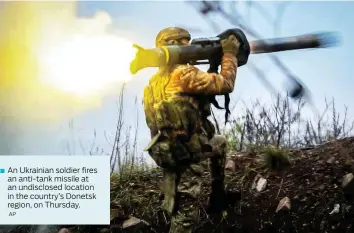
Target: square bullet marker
{"x": 2, "y": 170}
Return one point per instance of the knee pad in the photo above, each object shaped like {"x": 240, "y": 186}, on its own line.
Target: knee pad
{"x": 219, "y": 144}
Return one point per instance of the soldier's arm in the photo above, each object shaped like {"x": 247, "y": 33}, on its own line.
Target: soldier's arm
{"x": 195, "y": 81}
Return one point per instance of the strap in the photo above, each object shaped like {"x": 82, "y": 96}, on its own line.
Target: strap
{"x": 226, "y": 105}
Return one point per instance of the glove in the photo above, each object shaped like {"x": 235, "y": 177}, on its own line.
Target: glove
{"x": 230, "y": 45}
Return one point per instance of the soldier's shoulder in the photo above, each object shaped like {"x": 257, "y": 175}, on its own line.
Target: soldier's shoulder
{"x": 184, "y": 67}
{"x": 182, "y": 70}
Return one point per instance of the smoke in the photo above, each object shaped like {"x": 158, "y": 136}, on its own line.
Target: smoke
{"x": 54, "y": 64}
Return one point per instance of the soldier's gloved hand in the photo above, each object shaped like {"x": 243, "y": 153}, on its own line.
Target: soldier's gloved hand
{"x": 230, "y": 45}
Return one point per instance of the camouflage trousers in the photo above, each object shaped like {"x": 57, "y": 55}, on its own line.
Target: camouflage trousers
{"x": 182, "y": 188}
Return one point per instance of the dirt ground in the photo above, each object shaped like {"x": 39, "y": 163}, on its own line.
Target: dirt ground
{"x": 312, "y": 183}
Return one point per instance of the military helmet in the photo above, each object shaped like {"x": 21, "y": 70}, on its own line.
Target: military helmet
{"x": 171, "y": 35}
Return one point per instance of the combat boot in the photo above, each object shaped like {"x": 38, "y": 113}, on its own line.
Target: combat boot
{"x": 218, "y": 197}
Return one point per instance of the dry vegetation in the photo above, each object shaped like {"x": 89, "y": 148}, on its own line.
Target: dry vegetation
{"x": 302, "y": 159}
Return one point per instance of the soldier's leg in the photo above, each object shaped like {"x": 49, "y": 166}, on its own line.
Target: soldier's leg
{"x": 217, "y": 166}
{"x": 186, "y": 216}
{"x": 170, "y": 184}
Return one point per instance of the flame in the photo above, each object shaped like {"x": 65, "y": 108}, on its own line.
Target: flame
{"x": 82, "y": 63}
{"x": 55, "y": 64}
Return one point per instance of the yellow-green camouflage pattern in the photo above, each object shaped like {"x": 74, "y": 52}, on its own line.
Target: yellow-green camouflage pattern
{"x": 173, "y": 103}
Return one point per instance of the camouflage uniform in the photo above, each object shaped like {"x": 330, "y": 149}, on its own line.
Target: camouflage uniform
{"x": 176, "y": 113}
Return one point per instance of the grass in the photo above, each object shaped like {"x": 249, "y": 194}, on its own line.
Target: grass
{"x": 273, "y": 158}
{"x": 133, "y": 189}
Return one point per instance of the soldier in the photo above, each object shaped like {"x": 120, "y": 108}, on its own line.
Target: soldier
{"x": 176, "y": 110}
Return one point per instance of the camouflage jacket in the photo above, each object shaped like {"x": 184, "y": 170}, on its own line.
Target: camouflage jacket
{"x": 173, "y": 100}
